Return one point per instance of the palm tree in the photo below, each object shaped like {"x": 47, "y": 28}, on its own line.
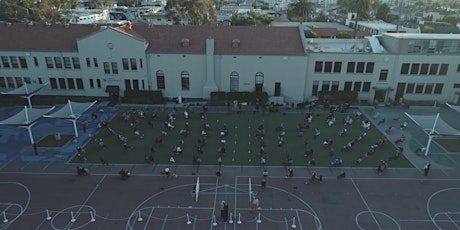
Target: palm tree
{"x": 301, "y": 9}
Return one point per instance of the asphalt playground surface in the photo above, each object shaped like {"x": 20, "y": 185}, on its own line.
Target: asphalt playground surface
{"x": 44, "y": 192}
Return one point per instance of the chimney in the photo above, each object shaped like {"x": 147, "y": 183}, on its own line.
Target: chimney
{"x": 236, "y": 43}
{"x": 185, "y": 42}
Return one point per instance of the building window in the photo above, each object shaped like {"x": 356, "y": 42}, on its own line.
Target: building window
{"x": 360, "y": 67}
{"x": 185, "y": 80}
{"x": 424, "y": 69}
{"x": 419, "y": 88}
{"x": 62, "y": 83}
{"x": 98, "y": 83}
{"x": 351, "y": 67}
{"x": 277, "y": 89}
{"x": 40, "y": 81}
{"x": 53, "y": 83}
{"x": 438, "y": 88}
{"x": 160, "y": 80}
{"x": 234, "y": 81}
{"x": 5, "y": 62}
{"x": 23, "y": 62}
{"x": 414, "y": 69}
{"x": 366, "y": 86}
{"x": 80, "y": 83}
{"x": 128, "y": 84}
{"x": 2, "y": 82}
{"x": 10, "y": 81}
{"x": 140, "y": 63}
{"x": 88, "y": 62}
{"x": 357, "y": 86}
{"x": 347, "y": 86}
{"x": 133, "y": 64}
{"x": 106, "y": 68}
{"x": 259, "y": 81}
{"x": 434, "y": 69}
{"x": 14, "y": 62}
{"x": 383, "y": 75}
{"x": 370, "y": 67}
{"x": 91, "y": 83}
{"x": 337, "y": 67}
{"x": 328, "y": 67}
{"x": 114, "y": 68}
{"x": 135, "y": 84}
{"x": 58, "y": 62}
{"x": 125, "y": 63}
{"x": 443, "y": 70}
{"x": 19, "y": 82}
{"x": 67, "y": 63}
{"x": 314, "y": 89}
{"x": 27, "y": 80}
{"x": 428, "y": 89}
{"x": 325, "y": 86}
{"x": 335, "y": 86}
{"x": 410, "y": 88}
{"x": 456, "y": 86}
{"x": 318, "y": 67}
{"x": 71, "y": 83}
{"x": 49, "y": 63}
{"x": 405, "y": 68}
{"x": 36, "y": 61}
{"x": 96, "y": 65}
{"x": 76, "y": 63}
{"x": 458, "y": 68}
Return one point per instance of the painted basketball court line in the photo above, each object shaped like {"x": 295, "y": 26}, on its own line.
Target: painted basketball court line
{"x": 268, "y": 208}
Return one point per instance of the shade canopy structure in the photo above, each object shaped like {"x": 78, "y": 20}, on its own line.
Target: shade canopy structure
{"x": 454, "y": 107}
{"x": 26, "y": 118}
{"x": 434, "y": 126}
{"x": 26, "y": 91}
{"x": 72, "y": 111}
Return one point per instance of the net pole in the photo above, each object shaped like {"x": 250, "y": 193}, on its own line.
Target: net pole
{"x": 250, "y": 190}
{"x": 197, "y": 189}
{"x": 430, "y": 138}
{"x": 430, "y": 135}
{"x": 434, "y": 125}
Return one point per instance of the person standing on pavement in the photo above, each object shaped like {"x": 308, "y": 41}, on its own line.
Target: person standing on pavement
{"x": 426, "y": 169}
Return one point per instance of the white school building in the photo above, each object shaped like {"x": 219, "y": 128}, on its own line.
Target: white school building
{"x": 193, "y": 61}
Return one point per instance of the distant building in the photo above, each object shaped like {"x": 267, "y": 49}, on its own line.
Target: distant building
{"x": 193, "y": 61}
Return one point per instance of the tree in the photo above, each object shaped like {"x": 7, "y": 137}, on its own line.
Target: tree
{"x": 252, "y": 18}
{"x": 310, "y": 34}
{"x": 300, "y": 10}
{"x": 35, "y": 11}
{"x": 382, "y": 12}
{"x": 343, "y": 35}
{"x": 321, "y": 17}
{"x": 451, "y": 19}
{"x": 195, "y": 12}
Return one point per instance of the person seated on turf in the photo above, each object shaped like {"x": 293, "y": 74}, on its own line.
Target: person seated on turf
{"x": 312, "y": 162}
{"x": 336, "y": 162}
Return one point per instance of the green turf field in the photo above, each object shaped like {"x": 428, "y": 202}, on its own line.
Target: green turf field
{"x": 242, "y": 146}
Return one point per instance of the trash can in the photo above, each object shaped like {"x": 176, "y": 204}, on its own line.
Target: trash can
{"x": 57, "y": 136}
